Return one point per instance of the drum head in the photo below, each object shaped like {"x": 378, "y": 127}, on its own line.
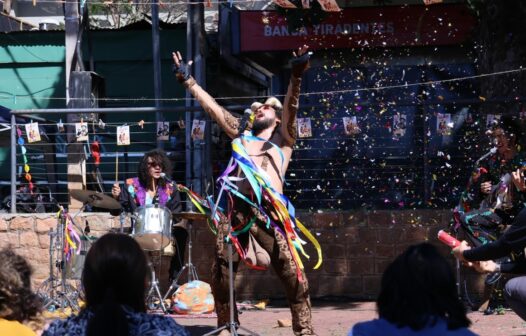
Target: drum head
{"x": 152, "y": 227}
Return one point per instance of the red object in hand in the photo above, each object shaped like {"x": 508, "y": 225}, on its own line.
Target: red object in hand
{"x": 448, "y": 239}
{"x": 95, "y": 151}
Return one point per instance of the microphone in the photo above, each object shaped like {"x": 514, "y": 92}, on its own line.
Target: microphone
{"x": 245, "y": 122}
{"x": 491, "y": 152}
{"x": 164, "y": 177}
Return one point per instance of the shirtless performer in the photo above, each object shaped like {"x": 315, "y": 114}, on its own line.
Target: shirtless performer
{"x": 266, "y": 149}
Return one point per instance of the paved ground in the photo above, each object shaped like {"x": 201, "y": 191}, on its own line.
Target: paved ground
{"x": 337, "y": 318}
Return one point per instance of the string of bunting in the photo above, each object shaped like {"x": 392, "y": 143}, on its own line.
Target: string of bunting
{"x": 23, "y": 150}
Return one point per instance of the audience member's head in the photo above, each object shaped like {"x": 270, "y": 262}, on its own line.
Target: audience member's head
{"x": 417, "y": 288}
{"x": 115, "y": 273}
{"x": 17, "y": 301}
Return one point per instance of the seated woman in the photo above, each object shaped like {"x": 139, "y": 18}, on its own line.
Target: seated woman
{"x": 19, "y": 306}
{"x": 114, "y": 278}
{"x": 417, "y": 297}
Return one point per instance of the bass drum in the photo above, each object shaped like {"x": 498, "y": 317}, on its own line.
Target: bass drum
{"x": 153, "y": 224}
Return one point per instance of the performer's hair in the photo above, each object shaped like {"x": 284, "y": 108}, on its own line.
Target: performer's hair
{"x": 511, "y": 127}
{"x": 17, "y": 301}
{"x": 417, "y": 288}
{"x": 115, "y": 273}
{"x": 271, "y": 101}
{"x": 158, "y": 156}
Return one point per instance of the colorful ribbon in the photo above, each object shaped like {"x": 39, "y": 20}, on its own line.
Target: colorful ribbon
{"x": 73, "y": 243}
{"x": 281, "y": 207}
{"x": 21, "y": 142}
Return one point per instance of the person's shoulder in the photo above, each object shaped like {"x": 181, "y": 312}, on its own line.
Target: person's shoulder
{"x": 371, "y": 328}
{"x": 461, "y": 332}
{"x": 154, "y": 324}
{"x": 73, "y": 326}
{"x": 8, "y": 327}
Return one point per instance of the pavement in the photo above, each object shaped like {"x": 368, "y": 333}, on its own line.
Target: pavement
{"x": 337, "y": 318}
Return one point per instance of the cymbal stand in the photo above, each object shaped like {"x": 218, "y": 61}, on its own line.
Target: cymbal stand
{"x": 232, "y": 326}
{"x": 64, "y": 296}
{"x": 192, "y": 271}
{"x": 46, "y": 290}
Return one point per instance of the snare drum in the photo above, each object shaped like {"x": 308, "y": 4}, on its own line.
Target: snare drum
{"x": 75, "y": 265}
{"x": 152, "y": 227}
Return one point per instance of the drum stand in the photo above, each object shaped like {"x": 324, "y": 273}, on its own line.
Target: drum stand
{"x": 55, "y": 291}
{"x": 192, "y": 271}
{"x": 154, "y": 292}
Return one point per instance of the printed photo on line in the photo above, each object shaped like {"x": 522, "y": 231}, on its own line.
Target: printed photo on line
{"x": 81, "y": 131}
{"x": 123, "y": 135}
{"x": 304, "y": 128}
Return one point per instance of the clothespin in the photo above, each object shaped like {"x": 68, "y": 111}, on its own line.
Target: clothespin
{"x": 141, "y": 124}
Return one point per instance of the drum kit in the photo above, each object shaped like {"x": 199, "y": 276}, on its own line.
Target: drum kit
{"x": 152, "y": 230}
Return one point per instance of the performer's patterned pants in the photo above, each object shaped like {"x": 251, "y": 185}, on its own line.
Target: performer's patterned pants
{"x": 281, "y": 259}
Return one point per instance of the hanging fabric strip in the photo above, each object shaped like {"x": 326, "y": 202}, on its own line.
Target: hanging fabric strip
{"x": 262, "y": 189}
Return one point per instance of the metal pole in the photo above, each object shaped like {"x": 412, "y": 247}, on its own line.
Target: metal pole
{"x": 156, "y": 65}
{"x": 13, "y": 164}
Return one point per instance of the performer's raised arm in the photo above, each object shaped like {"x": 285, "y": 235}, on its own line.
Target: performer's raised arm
{"x": 226, "y": 120}
{"x": 300, "y": 63}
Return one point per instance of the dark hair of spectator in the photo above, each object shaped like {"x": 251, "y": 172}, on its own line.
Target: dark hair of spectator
{"x": 17, "y": 301}
{"x": 115, "y": 273}
{"x": 157, "y": 156}
{"x": 417, "y": 288}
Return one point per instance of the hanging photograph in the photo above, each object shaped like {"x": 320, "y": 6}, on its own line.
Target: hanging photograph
{"x": 399, "y": 125}
{"x": 492, "y": 120}
{"x": 33, "y": 133}
{"x": 123, "y": 135}
{"x": 60, "y": 127}
{"x": 81, "y": 131}
{"x": 198, "y": 129}
{"x": 304, "y": 128}
{"x": 444, "y": 124}
{"x": 163, "y": 130}
{"x": 350, "y": 125}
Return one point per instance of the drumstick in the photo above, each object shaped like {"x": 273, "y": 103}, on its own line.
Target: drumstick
{"x": 116, "y": 167}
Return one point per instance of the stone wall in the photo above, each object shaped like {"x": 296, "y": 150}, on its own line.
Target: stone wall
{"x": 357, "y": 246}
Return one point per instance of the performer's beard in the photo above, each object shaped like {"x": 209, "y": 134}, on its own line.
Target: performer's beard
{"x": 260, "y": 125}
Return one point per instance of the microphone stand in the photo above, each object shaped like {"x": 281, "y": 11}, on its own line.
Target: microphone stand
{"x": 232, "y": 325}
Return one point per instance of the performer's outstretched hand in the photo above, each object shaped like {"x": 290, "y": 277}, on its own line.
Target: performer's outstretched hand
{"x": 300, "y": 61}
{"x": 180, "y": 68}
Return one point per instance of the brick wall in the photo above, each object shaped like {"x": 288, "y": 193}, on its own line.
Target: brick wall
{"x": 357, "y": 246}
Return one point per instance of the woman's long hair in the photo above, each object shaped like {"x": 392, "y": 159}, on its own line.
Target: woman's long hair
{"x": 157, "y": 156}
{"x": 418, "y": 287}
{"x": 115, "y": 274}
{"x": 17, "y": 301}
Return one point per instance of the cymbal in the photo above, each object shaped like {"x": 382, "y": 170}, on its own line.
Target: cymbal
{"x": 190, "y": 215}
{"x": 96, "y": 199}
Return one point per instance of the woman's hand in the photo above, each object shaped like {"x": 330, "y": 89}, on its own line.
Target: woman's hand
{"x": 458, "y": 251}
{"x": 518, "y": 179}
{"x": 488, "y": 266}
{"x": 116, "y": 191}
